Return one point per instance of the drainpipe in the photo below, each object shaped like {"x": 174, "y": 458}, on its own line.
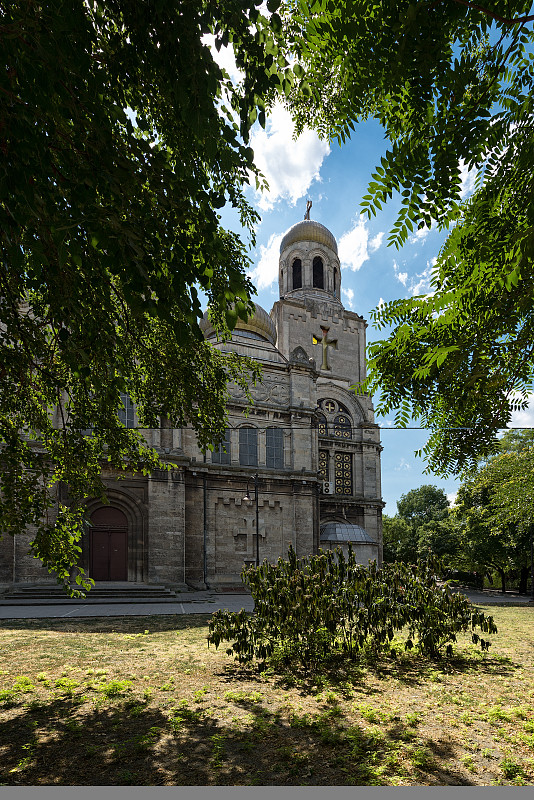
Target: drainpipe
{"x": 205, "y": 532}
{"x": 183, "y": 482}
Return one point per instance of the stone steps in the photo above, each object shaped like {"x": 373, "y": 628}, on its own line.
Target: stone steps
{"x": 113, "y": 593}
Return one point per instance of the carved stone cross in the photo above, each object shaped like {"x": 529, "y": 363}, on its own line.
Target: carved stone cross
{"x": 308, "y": 209}
{"x": 326, "y": 343}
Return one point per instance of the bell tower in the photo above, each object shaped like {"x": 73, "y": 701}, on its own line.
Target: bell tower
{"x": 309, "y": 264}
{"x": 316, "y": 333}
{"x": 310, "y": 313}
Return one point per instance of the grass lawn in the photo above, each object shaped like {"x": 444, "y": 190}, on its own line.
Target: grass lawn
{"x": 142, "y": 700}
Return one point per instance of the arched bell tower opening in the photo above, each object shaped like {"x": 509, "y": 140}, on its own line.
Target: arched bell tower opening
{"x": 296, "y": 272}
{"x": 318, "y": 273}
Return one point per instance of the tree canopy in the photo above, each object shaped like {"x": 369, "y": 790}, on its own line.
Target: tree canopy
{"x": 452, "y": 85}
{"x": 422, "y": 525}
{"x": 424, "y": 504}
{"x": 496, "y": 508}
{"x": 120, "y": 139}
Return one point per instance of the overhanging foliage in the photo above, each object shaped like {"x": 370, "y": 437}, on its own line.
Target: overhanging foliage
{"x": 452, "y": 85}
{"x": 120, "y": 139}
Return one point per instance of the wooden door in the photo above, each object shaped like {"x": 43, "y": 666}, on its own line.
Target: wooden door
{"x": 109, "y": 545}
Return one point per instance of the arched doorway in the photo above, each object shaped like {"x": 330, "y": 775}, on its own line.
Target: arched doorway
{"x": 108, "y": 545}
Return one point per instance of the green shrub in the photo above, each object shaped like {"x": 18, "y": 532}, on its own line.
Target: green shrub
{"x": 115, "y": 688}
{"x": 309, "y": 610}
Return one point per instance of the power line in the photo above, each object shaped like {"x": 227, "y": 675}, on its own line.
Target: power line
{"x": 370, "y": 427}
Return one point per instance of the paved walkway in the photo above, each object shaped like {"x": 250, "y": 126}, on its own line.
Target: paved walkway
{"x": 186, "y": 603}
{"x": 497, "y": 598}
{"x": 193, "y": 603}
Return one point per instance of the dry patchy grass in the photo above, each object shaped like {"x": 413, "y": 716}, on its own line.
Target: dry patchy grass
{"x": 143, "y": 701}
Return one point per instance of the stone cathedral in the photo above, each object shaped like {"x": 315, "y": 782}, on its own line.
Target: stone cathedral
{"x": 301, "y": 467}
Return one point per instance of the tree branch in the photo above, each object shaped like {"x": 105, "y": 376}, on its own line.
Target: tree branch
{"x": 488, "y": 13}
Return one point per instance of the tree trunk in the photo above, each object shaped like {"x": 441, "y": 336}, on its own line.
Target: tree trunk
{"x": 503, "y": 579}
{"x": 523, "y": 580}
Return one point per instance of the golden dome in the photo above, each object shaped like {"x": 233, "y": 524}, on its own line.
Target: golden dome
{"x": 309, "y": 231}
{"x": 259, "y": 323}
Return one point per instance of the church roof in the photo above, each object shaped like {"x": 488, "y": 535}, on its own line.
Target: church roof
{"x": 309, "y": 231}
{"x": 344, "y": 532}
{"x": 260, "y": 323}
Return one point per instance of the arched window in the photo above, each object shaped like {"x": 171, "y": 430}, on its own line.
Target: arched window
{"x": 322, "y": 425}
{"x": 274, "y": 448}
{"x": 127, "y": 412}
{"x": 248, "y": 447}
{"x": 297, "y": 274}
{"x": 343, "y": 426}
{"x": 318, "y": 273}
{"x": 221, "y": 453}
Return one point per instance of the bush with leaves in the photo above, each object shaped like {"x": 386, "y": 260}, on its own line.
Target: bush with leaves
{"x": 312, "y": 609}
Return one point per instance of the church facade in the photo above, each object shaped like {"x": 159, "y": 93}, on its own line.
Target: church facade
{"x": 300, "y": 466}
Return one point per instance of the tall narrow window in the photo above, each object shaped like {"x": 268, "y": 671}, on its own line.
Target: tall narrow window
{"x": 297, "y": 274}
{"x": 127, "y": 412}
{"x": 248, "y": 447}
{"x": 343, "y": 426}
{"x": 322, "y": 425}
{"x": 323, "y": 465}
{"x": 221, "y": 453}
{"x": 318, "y": 273}
{"x": 343, "y": 470}
{"x": 335, "y": 282}
{"x": 274, "y": 448}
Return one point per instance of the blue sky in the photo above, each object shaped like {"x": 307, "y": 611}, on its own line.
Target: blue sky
{"x": 335, "y": 179}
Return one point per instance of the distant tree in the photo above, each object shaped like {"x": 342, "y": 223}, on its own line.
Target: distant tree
{"x": 441, "y": 538}
{"x": 421, "y": 526}
{"x": 516, "y": 441}
{"x": 399, "y": 541}
{"x": 496, "y": 508}
{"x": 423, "y": 505}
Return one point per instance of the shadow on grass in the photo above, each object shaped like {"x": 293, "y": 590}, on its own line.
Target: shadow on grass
{"x": 132, "y": 625}
{"x": 127, "y": 743}
{"x": 346, "y": 675}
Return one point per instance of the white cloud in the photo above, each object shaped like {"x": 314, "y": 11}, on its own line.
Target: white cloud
{"x": 524, "y": 419}
{"x": 418, "y": 283}
{"x": 468, "y": 177}
{"x": 401, "y": 276}
{"x": 266, "y": 272}
{"x": 381, "y": 304}
{"x": 354, "y": 246}
{"x": 224, "y": 58}
{"x": 349, "y": 296}
{"x": 451, "y": 497}
{"x": 419, "y": 236}
{"x": 289, "y": 165}
{"x": 376, "y": 241}
{"x": 385, "y": 423}
{"x": 402, "y": 466}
